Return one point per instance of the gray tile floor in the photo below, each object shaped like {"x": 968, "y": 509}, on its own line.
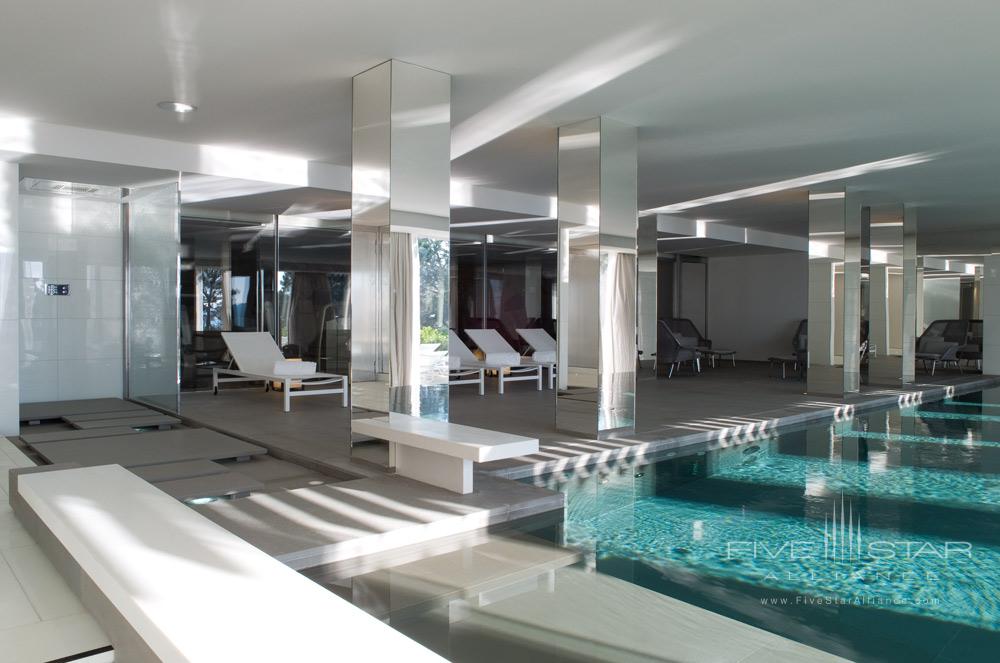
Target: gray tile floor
{"x": 40, "y": 617}
{"x": 726, "y": 401}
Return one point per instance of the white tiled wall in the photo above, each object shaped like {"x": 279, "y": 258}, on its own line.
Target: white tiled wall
{"x": 72, "y": 346}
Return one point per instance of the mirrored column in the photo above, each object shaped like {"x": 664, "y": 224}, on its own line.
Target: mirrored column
{"x": 991, "y": 313}
{"x": 836, "y": 236}
{"x": 911, "y": 295}
{"x": 886, "y": 294}
{"x": 825, "y": 374}
{"x": 648, "y": 258}
{"x": 597, "y": 277}
{"x": 856, "y": 255}
{"x": 400, "y": 244}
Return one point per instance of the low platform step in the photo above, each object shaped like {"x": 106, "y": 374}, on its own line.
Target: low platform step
{"x": 149, "y": 421}
{"x": 57, "y": 409}
{"x": 185, "y": 469}
{"x": 227, "y": 484}
{"x": 150, "y": 448}
{"x": 97, "y": 416}
{"x": 74, "y": 434}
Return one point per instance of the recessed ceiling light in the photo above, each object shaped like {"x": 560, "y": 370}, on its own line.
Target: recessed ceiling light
{"x": 176, "y": 107}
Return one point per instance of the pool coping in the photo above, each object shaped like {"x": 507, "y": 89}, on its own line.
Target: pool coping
{"x": 635, "y": 449}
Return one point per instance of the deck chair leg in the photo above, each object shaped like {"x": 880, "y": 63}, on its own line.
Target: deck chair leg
{"x": 482, "y": 381}
{"x": 500, "y": 380}
{"x": 540, "y": 386}
{"x": 287, "y": 389}
{"x": 933, "y": 366}
{"x": 215, "y": 382}
{"x": 343, "y": 397}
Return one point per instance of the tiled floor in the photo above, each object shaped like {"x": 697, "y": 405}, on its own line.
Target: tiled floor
{"x": 722, "y": 402}
{"x": 40, "y": 617}
{"x": 507, "y": 599}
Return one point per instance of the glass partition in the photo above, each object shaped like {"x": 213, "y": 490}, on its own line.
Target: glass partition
{"x": 314, "y": 285}
{"x": 503, "y": 286}
{"x": 152, "y": 328}
{"x": 226, "y": 284}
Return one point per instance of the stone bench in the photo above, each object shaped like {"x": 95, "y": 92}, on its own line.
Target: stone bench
{"x": 439, "y": 453}
{"x": 167, "y": 584}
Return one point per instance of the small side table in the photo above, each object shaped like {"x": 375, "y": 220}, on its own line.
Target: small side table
{"x": 713, "y": 354}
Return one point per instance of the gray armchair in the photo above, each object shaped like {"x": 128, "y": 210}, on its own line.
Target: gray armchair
{"x": 671, "y": 351}
{"x": 936, "y": 350}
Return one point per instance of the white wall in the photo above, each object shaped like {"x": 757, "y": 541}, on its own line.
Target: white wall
{"x": 8, "y": 300}
{"x": 942, "y": 299}
{"x": 70, "y": 346}
{"x": 755, "y": 303}
{"x": 692, "y": 303}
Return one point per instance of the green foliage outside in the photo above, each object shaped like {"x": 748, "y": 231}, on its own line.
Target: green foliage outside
{"x": 430, "y": 334}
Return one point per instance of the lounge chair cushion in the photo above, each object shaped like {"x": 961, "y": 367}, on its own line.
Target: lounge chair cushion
{"x": 287, "y": 367}
{"x": 687, "y": 341}
{"x": 503, "y": 358}
{"x": 544, "y": 356}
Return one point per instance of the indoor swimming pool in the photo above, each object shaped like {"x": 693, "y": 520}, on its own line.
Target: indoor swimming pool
{"x": 875, "y": 538}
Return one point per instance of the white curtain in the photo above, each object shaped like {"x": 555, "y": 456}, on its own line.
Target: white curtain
{"x": 618, "y": 326}
{"x": 404, "y": 286}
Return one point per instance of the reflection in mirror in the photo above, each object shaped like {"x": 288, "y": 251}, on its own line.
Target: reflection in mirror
{"x": 313, "y": 287}
{"x": 226, "y": 284}
{"x": 827, "y": 225}
{"x": 503, "y": 275}
{"x": 911, "y": 295}
{"x": 886, "y": 294}
{"x": 271, "y": 259}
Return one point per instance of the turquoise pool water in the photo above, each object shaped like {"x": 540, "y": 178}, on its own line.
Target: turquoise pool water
{"x": 877, "y": 539}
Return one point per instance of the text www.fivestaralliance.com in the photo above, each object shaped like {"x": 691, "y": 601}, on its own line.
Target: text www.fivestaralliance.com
{"x": 836, "y": 600}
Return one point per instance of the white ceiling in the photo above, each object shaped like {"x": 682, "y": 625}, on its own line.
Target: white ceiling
{"x": 727, "y": 94}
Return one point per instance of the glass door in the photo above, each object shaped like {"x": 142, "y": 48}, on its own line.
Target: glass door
{"x": 152, "y": 326}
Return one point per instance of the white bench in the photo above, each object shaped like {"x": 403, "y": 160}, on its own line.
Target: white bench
{"x": 167, "y": 584}
{"x": 439, "y": 453}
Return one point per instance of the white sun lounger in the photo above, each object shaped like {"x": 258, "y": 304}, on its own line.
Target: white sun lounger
{"x": 543, "y": 349}
{"x": 505, "y": 359}
{"x": 256, "y": 354}
{"x": 463, "y": 367}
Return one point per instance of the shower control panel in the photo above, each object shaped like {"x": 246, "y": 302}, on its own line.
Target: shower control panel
{"x": 61, "y": 289}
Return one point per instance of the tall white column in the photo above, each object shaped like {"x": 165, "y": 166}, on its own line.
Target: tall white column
{"x": 648, "y": 262}
{"x": 400, "y": 251}
{"x": 598, "y": 222}
{"x": 991, "y": 314}
{"x": 9, "y": 294}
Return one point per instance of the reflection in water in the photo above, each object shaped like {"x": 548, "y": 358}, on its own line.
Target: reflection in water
{"x": 837, "y": 536}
